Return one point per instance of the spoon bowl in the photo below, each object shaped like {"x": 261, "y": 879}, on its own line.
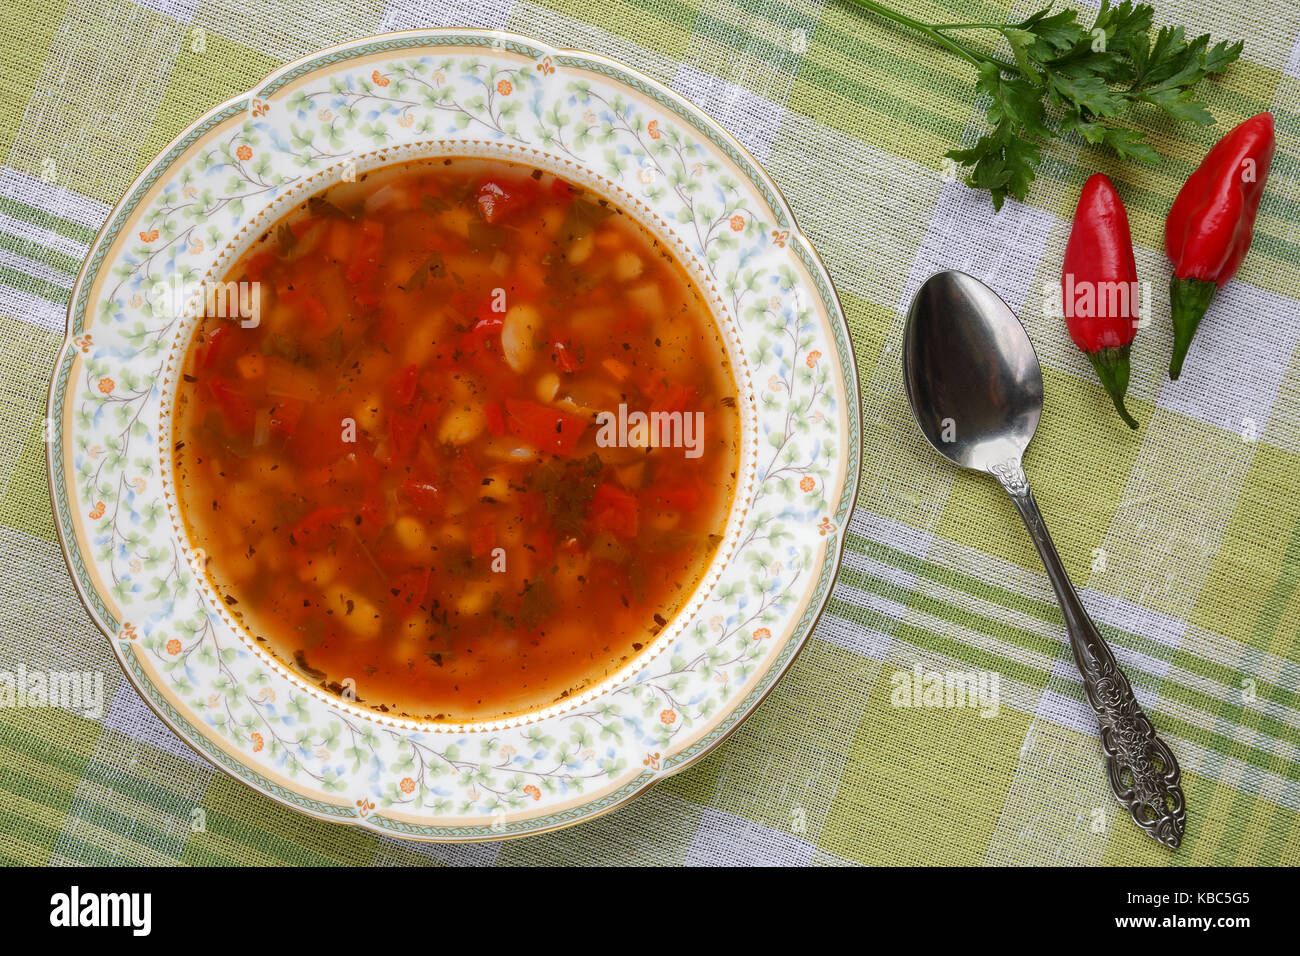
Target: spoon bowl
{"x": 976, "y": 390}
{"x": 975, "y": 386}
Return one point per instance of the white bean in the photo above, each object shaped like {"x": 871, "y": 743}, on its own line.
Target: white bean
{"x": 461, "y": 425}
{"x": 517, "y": 336}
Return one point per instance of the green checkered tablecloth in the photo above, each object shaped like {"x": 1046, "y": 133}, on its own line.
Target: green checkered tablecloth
{"x": 1184, "y": 536}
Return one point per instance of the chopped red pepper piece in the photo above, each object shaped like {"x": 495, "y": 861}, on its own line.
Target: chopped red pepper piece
{"x": 544, "y": 428}
{"x": 670, "y": 398}
{"x": 401, "y": 387}
{"x": 258, "y": 264}
{"x": 286, "y": 415}
{"x": 496, "y": 418}
{"x": 363, "y": 265}
{"x": 485, "y": 332}
{"x": 482, "y": 539}
{"x": 312, "y": 528}
{"x": 565, "y": 357}
{"x": 219, "y": 342}
{"x": 409, "y": 589}
{"x": 678, "y": 497}
{"x": 614, "y": 510}
{"x": 372, "y": 513}
{"x": 308, "y": 305}
{"x": 497, "y": 202}
{"x": 465, "y": 475}
{"x": 235, "y": 406}
{"x": 403, "y": 431}
{"x": 424, "y": 496}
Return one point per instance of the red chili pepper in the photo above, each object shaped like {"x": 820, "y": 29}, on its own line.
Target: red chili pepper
{"x": 1099, "y": 287}
{"x": 1209, "y": 226}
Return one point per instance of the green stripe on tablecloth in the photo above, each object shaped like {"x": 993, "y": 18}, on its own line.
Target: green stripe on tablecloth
{"x": 43, "y": 754}
{"x": 1169, "y": 690}
{"x": 47, "y": 220}
{"x": 244, "y": 826}
{"x": 52, "y": 258}
{"x": 870, "y": 782}
{"x": 41, "y": 287}
{"x": 661, "y": 28}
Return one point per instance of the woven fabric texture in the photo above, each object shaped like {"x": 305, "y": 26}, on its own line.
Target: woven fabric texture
{"x": 1183, "y": 537}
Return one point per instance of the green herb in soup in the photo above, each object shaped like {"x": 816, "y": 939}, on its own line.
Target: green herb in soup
{"x": 477, "y": 449}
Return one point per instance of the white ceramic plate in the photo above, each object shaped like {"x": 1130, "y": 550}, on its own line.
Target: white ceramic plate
{"x": 382, "y": 100}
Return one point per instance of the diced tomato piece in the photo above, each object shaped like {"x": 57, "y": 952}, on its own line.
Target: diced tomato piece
{"x": 363, "y": 263}
{"x": 235, "y": 406}
{"x": 219, "y": 341}
{"x": 684, "y": 497}
{"x": 527, "y": 279}
{"x": 671, "y": 398}
{"x": 403, "y": 431}
{"x": 482, "y": 539}
{"x": 546, "y": 429}
{"x": 338, "y": 244}
{"x": 497, "y": 202}
{"x": 401, "y": 386}
{"x": 306, "y": 305}
{"x": 317, "y": 440}
{"x": 565, "y": 357}
{"x": 424, "y": 496}
{"x": 409, "y": 590}
{"x": 257, "y": 265}
{"x": 299, "y": 227}
{"x": 465, "y": 475}
{"x": 286, "y": 415}
{"x": 372, "y": 513}
{"x": 485, "y": 332}
{"x": 496, "y": 418}
{"x": 316, "y": 527}
{"x": 430, "y": 384}
{"x": 614, "y": 510}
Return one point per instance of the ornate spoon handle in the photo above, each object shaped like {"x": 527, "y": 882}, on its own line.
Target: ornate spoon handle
{"x": 1142, "y": 769}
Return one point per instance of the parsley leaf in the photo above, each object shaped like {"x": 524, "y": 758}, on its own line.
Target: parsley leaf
{"x": 1065, "y": 77}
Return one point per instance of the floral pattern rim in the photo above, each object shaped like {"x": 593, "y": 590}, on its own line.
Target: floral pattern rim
{"x": 406, "y": 88}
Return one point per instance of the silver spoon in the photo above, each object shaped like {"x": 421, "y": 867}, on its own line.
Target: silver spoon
{"x": 977, "y": 392}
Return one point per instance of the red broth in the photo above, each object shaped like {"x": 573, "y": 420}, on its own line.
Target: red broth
{"x": 401, "y": 477}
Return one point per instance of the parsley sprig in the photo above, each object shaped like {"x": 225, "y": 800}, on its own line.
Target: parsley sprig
{"x": 1065, "y": 77}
